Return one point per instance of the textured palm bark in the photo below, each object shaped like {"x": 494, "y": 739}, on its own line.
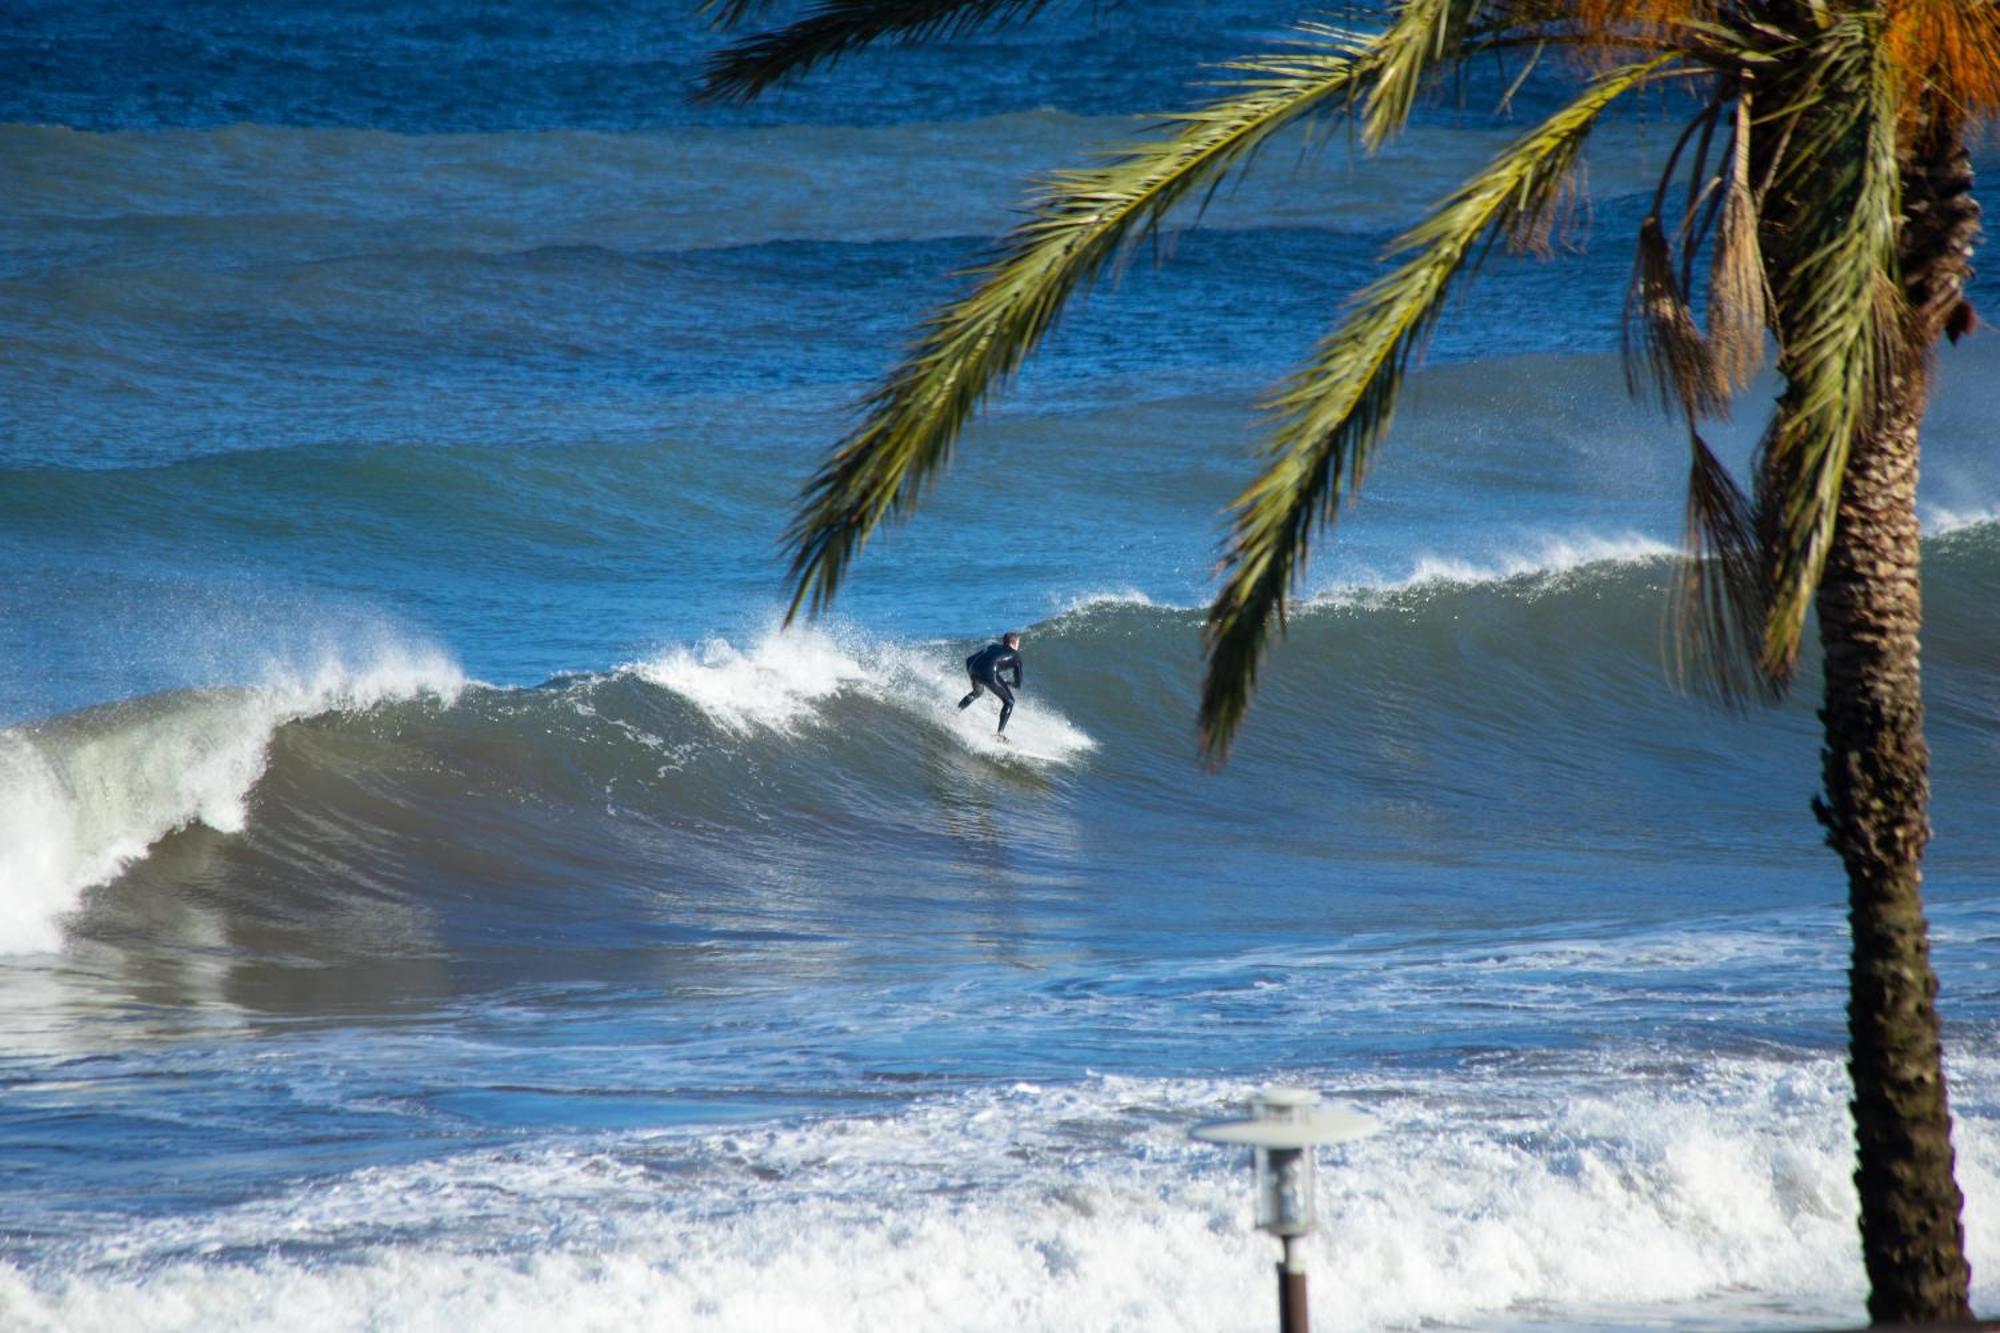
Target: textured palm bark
{"x": 1876, "y": 803}
{"x": 1875, "y": 810}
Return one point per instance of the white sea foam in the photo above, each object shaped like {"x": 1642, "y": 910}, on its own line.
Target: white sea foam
{"x": 1938, "y": 520}
{"x": 776, "y": 685}
{"x": 786, "y": 679}
{"x": 1102, "y": 597}
{"x": 1078, "y": 1208}
{"x": 82, "y": 797}
{"x": 1548, "y": 557}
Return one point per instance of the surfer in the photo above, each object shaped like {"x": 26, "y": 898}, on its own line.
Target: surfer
{"x": 985, "y": 667}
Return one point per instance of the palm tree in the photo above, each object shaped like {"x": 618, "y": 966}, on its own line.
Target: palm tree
{"x": 1824, "y": 180}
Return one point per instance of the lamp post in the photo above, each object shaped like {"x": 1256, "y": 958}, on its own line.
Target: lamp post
{"x": 1285, "y": 1125}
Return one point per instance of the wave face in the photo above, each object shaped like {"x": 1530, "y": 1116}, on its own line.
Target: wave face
{"x": 1394, "y": 704}
{"x": 84, "y": 796}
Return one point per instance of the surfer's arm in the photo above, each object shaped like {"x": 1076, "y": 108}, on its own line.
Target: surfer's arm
{"x": 1017, "y": 671}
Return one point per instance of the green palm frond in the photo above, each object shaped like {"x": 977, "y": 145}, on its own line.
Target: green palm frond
{"x": 1834, "y": 201}
{"x": 834, "y": 28}
{"x": 1081, "y": 221}
{"x": 1337, "y": 407}
{"x": 1424, "y": 35}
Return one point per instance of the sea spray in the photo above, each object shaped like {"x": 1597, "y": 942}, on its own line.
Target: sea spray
{"x": 1435, "y": 681}
{"x": 84, "y": 795}
{"x": 774, "y": 685}
{"x": 785, "y": 679}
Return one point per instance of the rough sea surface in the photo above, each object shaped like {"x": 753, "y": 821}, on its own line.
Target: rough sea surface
{"x": 435, "y": 896}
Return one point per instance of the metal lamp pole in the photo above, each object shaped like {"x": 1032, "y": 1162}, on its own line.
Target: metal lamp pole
{"x": 1284, "y": 1127}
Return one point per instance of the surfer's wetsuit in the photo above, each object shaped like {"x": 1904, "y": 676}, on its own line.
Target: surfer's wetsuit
{"x": 985, "y": 667}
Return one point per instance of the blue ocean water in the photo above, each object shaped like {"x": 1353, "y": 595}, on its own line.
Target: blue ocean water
{"x": 434, "y": 893}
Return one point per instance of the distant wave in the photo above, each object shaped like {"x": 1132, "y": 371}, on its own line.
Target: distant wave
{"x": 1547, "y": 557}
{"x": 270, "y": 194}
{"x": 298, "y": 195}
{"x": 1106, "y": 597}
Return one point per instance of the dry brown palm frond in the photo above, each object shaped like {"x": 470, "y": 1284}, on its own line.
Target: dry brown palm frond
{"x": 1720, "y": 596}
{"x": 1606, "y": 28}
{"x": 1662, "y": 343}
{"x": 1609, "y": 18}
{"x": 1738, "y": 305}
{"x": 1949, "y": 49}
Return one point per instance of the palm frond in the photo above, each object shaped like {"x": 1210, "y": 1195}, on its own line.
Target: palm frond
{"x": 1738, "y": 308}
{"x": 1720, "y": 596}
{"x": 1835, "y": 201}
{"x": 1949, "y": 50}
{"x": 731, "y": 13}
{"x": 740, "y": 72}
{"x": 1699, "y": 371}
{"x": 1081, "y": 221}
{"x": 1662, "y": 343}
{"x": 1339, "y": 405}
{"x": 1424, "y": 35}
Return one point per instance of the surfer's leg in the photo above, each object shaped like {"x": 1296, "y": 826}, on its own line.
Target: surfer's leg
{"x": 966, "y": 702}
{"x": 999, "y": 687}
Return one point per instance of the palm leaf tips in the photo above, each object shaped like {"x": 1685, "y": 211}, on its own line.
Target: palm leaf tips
{"x": 731, "y": 13}
{"x": 1719, "y": 598}
{"x": 1663, "y": 343}
{"x": 742, "y": 71}
{"x": 1423, "y": 35}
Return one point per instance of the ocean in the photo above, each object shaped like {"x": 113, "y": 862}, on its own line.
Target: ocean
{"x": 435, "y": 893}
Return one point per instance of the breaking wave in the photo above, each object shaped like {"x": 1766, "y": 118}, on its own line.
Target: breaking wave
{"x": 83, "y": 796}
{"x": 1493, "y": 666}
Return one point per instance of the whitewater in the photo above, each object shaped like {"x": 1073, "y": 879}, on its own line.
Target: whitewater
{"x": 437, "y": 891}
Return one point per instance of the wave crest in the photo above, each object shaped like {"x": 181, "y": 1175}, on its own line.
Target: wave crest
{"x": 1549, "y": 558}
{"x": 788, "y": 679}
{"x": 83, "y": 796}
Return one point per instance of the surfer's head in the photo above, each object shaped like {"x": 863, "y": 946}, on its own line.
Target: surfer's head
{"x": 1012, "y": 638}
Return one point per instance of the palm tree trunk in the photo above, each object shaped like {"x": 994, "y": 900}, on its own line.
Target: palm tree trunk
{"x": 1876, "y": 803}
{"x": 1875, "y": 811}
